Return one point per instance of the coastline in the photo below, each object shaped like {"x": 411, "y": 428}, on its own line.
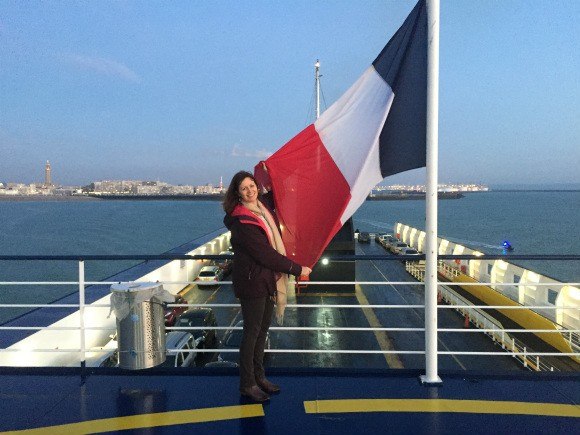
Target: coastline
{"x": 206, "y": 197}
{"x": 45, "y": 198}
{"x": 537, "y": 190}
{"x": 209, "y": 197}
{"x": 58, "y": 198}
{"x": 413, "y": 196}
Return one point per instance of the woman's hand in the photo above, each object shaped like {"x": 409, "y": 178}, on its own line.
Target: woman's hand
{"x": 262, "y": 177}
{"x": 305, "y": 271}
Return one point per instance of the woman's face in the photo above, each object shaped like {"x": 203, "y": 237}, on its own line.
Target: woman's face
{"x": 248, "y": 190}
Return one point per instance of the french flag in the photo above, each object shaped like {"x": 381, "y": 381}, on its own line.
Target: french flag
{"x": 376, "y": 129}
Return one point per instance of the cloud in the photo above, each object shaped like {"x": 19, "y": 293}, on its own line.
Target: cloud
{"x": 238, "y": 152}
{"x": 104, "y": 66}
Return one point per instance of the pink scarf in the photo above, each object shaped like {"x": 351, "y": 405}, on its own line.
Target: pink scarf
{"x": 275, "y": 238}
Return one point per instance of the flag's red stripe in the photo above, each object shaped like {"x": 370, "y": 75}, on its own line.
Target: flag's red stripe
{"x": 314, "y": 194}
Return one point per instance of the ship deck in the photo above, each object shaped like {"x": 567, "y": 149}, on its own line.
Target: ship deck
{"x": 322, "y": 393}
{"x": 375, "y": 341}
{"x": 311, "y": 401}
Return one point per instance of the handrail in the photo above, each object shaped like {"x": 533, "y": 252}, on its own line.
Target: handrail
{"x": 481, "y": 319}
{"x": 498, "y": 334}
{"x": 391, "y": 257}
{"x": 332, "y": 351}
{"x": 466, "y": 305}
{"x": 503, "y": 307}
{"x": 282, "y": 328}
{"x": 379, "y": 283}
{"x": 530, "y": 358}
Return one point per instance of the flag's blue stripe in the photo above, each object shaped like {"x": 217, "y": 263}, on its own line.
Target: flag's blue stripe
{"x": 403, "y": 65}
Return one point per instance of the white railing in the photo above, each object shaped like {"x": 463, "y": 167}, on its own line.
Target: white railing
{"x": 489, "y": 326}
{"x": 485, "y": 322}
{"x": 493, "y": 328}
{"x": 573, "y": 339}
{"x": 85, "y": 325}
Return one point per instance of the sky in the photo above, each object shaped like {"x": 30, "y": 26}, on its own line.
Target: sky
{"x": 186, "y": 92}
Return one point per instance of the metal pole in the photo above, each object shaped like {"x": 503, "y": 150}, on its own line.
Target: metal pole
{"x": 317, "y": 82}
{"x": 431, "y": 376}
{"x": 82, "y": 309}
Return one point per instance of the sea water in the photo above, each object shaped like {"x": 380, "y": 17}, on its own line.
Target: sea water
{"x": 533, "y": 222}
{"x": 89, "y": 228}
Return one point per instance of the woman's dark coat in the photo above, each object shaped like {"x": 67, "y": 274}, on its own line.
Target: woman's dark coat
{"x": 256, "y": 262}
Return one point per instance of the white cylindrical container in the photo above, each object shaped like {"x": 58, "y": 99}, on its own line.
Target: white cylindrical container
{"x": 140, "y": 324}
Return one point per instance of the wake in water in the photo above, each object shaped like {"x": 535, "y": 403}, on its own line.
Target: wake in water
{"x": 385, "y": 226}
{"x": 474, "y": 243}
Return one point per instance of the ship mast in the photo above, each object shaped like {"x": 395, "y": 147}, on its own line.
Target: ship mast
{"x": 317, "y": 85}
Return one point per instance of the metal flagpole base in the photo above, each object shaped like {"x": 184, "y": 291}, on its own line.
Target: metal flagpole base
{"x": 437, "y": 382}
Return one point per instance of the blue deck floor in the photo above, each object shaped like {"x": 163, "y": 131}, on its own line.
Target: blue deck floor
{"x": 322, "y": 393}
{"x": 203, "y": 402}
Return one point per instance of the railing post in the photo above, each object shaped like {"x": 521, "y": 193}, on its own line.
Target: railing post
{"x": 431, "y": 376}
{"x": 82, "y": 309}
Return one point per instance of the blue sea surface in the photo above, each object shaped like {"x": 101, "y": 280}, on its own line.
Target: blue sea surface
{"x": 89, "y": 228}
{"x": 534, "y": 223}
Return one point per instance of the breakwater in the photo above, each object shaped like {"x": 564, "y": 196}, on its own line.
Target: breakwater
{"x": 397, "y": 196}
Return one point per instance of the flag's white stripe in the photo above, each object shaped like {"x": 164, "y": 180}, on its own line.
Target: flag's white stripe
{"x": 350, "y": 131}
{"x": 369, "y": 177}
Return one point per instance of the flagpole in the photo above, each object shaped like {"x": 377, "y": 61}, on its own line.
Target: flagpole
{"x": 317, "y": 84}
{"x": 431, "y": 374}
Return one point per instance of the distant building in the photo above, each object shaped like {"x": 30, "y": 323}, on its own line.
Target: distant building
{"x": 146, "y": 190}
{"x": 7, "y": 189}
{"x": 137, "y": 187}
{"x": 446, "y": 187}
{"x": 67, "y": 191}
{"x": 108, "y": 187}
{"x": 182, "y": 190}
{"x": 47, "y": 174}
{"x": 207, "y": 189}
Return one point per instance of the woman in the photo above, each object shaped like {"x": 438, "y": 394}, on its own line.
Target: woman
{"x": 259, "y": 264}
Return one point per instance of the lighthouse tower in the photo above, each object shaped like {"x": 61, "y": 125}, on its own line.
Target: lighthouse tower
{"x": 47, "y": 175}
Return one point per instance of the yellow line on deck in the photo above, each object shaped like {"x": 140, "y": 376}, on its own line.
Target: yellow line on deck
{"x": 185, "y": 290}
{"x": 383, "y": 339}
{"x": 441, "y": 405}
{"x": 150, "y": 420}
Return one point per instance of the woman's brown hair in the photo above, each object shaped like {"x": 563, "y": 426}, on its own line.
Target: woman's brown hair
{"x": 232, "y": 197}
